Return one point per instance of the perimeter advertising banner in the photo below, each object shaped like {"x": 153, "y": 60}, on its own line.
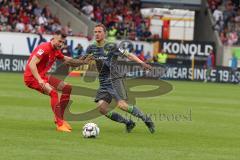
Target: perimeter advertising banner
{"x": 9, "y": 63}
{"x": 23, "y": 44}
{"x": 16, "y": 63}
{"x": 181, "y": 72}
{"x": 181, "y": 52}
{"x": 187, "y": 48}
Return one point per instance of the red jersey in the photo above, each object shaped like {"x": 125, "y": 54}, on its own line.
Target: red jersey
{"x": 47, "y": 55}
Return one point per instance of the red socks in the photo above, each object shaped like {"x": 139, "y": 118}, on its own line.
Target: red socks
{"x": 64, "y": 100}
{"x": 56, "y": 107}
{"x": 59, "y": 108}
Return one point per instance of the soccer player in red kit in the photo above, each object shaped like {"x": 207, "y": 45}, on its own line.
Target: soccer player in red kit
{"x": 35, "y": 76}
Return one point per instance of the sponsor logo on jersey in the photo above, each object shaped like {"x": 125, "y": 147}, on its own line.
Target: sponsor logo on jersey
{"x": 40, "y": 52}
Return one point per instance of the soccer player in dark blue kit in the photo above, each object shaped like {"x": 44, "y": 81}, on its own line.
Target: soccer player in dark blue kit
{"x": 111, "y": 81}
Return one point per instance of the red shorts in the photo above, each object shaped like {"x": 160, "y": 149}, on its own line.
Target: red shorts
{"x": 31, "y": 82}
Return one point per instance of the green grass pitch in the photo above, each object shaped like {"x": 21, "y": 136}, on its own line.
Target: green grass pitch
{"x": 208, "y": 129}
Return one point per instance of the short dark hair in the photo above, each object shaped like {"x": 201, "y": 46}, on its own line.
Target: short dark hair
{"x": 60, "y": 33}
{"x": 101, "y": 25}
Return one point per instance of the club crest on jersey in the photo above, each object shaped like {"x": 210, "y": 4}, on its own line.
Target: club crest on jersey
{"x": 40, "y": 52}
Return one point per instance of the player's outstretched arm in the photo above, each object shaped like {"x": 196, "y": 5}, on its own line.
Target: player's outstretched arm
{"x": 134, "y": 58}
{"x": 77, "y": 62}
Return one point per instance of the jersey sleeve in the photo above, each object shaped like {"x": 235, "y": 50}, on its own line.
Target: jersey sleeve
{"x": 40, "y": 52}
{"x": 60, "y": 55}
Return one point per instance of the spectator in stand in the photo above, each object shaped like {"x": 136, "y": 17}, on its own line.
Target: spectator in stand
{"x": 218, "y": 17}
{"x": 162, "y": 57}
{"x": 148, "y": 57}
{"x": 147, "y": 34}
{"x": 20, "y": 27}
{"x": 132, "y": 33}
{"x": 25, "y": 18}
{"x": 41, "y": 29}
{"x": 237, "y": 25}
{"x": 237, "y": 17}
{"x": 125, "y": 15}
{"x": 224, "y": 36}
{"x": 226, "y": 25}
{"x": 155, "y": 60}
{"x": 29, "y": 17}
{"x": 98, "y": 15}
{"x": 228, "y": 12}
{"x": 12, "y": 8}
{"x": 138, "y": 18}
{"x": 232, "y": 37}
{"x": 112, "y": 34}
{"x": 42, "y": 20}
{"x": 46, "y": 11}
{"x": 28, "y": 28}
{"x": 212, "y": 5}
{"x": 139, "y": 32}
{"x": 3, "y": 18}
{"x": 37, "y": 11}
{"x": 88, "y": 10}
{"x": 77, "y": 52}
{"x": 121, "y": 30}
{"x": 234, "y": 66}
{"x": 66, "y": 51}
{"x": 67, "y": 29}
{"x": 210, "y": 64}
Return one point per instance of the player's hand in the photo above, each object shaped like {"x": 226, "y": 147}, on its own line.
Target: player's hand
{"x": 88, "y": 58}
{"x": 146, "y": 66}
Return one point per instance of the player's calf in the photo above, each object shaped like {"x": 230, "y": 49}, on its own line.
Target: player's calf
{"x": 65, "y": 97}
{"x": 102, "y": 107}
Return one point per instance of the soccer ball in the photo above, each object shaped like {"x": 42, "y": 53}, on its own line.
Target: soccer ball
{"x": 90, "y": 130}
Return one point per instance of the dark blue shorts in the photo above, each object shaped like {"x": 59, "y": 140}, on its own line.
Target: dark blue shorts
{"x": 115, "y": 91}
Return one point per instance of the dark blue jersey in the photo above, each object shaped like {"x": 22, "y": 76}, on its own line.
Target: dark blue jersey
{"x": 106, "y": 57}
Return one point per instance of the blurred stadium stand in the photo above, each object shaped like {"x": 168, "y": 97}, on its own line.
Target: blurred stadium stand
{"x": 78, "y": 26}
{"x": 86, "y": 25}
{"x": 215, "y": 21}
{"x": 172, "y": 4}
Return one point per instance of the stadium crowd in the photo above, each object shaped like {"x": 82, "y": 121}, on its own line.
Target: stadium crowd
{"x": 226, "y": 14}
{"x": 122, "y": 17}
{"x": 27, "y": 16}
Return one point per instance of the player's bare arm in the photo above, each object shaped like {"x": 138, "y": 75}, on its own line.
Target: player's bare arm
{"x": 77, "y": 62}
{"x": 134, "y": 58}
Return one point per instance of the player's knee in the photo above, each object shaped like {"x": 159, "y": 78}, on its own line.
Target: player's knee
{"x": 53, "y": 93}
{"x": 103, "y": 110}
{"x": 67, "y": 89}
{"x": 122, "y": 105}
